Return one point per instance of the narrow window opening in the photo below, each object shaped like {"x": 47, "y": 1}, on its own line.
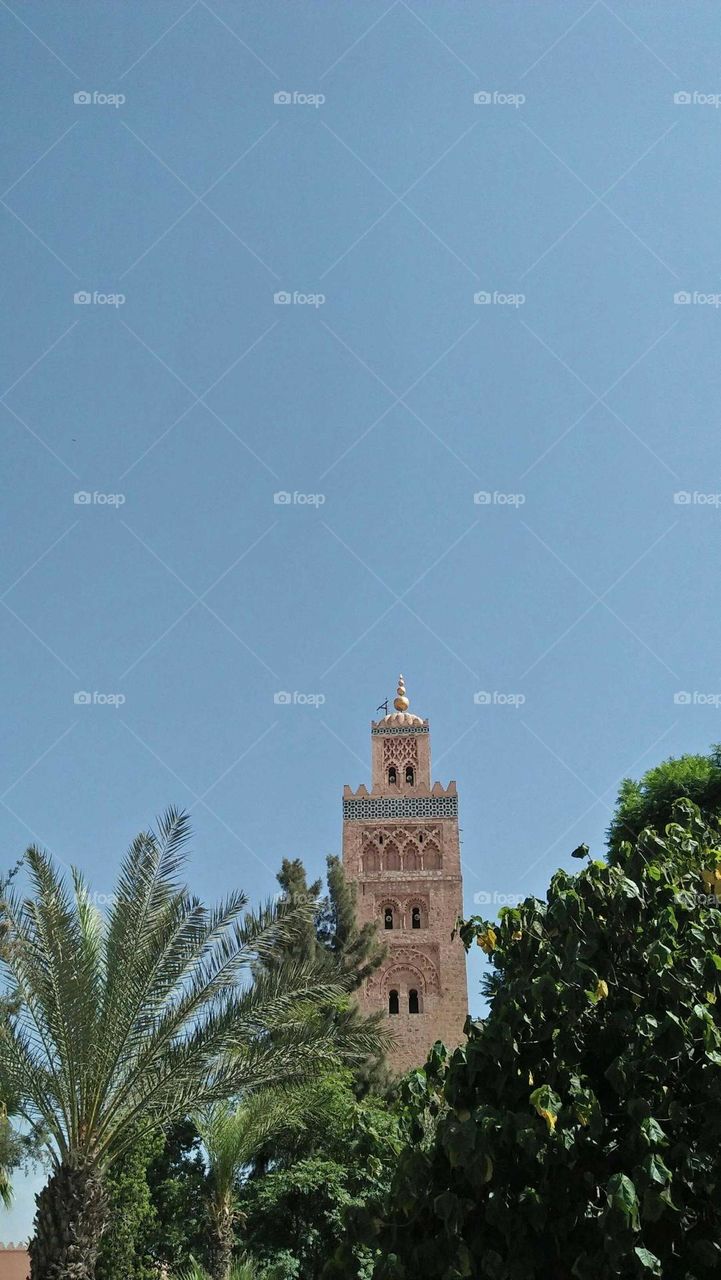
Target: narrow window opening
{"x": 393, "y": 1006}
{"x": 389, "y": 917}
{"x": 416, "y": 918}
{"x": 392, "y": 776}
{"x": 413, "y": 1001}
{"x": 409, "y": 775}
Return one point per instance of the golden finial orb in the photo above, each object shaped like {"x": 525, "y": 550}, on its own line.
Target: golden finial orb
{"x": 400, "y": 702}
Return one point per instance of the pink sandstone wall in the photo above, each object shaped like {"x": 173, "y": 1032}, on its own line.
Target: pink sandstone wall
{"x": 14, "y": 1262}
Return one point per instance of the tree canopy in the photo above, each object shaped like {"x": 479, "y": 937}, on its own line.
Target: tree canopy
{"x": 128, "y": 1021}
{"x": 649, "y": 801}
{"x": 576, "y": 1132}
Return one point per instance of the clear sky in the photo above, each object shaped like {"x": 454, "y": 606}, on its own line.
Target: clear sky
{"x": 578, "y": 597}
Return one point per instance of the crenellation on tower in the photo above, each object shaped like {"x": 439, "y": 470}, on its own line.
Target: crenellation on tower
{"x": 401, "y": 847}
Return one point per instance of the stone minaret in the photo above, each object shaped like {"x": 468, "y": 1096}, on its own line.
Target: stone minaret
{"x": 400, "y": 845}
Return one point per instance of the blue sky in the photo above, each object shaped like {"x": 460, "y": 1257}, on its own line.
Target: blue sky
{"x": 579, "y": 398}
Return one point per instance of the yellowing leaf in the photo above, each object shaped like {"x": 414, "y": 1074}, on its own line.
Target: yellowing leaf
{"x": 487, "y": 940}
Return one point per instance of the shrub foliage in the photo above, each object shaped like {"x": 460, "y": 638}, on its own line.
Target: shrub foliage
{"x": 576, "y": 1134}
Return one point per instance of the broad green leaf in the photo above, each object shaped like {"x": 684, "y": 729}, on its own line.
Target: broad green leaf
{"x": 648, "y": 1260}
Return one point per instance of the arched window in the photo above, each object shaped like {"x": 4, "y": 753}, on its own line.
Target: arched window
{"x": 370, "y": 859}
{"x": 393, "y": 1006}
{"x": 409, "y": 775}
{"x": 432, "y": 858}
{"x": 393, "y": 857}
{"x": 413, "y": 1006}
{"x": 392, "y": 776}
{"x": 411, "y": 858}
{"x": 388, "y": 917}
{"x": 416, "y": 918}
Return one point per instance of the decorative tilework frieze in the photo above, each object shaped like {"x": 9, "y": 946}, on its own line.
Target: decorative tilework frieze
{"x": 420, "y": 728}
{"x": 371, "y": 808}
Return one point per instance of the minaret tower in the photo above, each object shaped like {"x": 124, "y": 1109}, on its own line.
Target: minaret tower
{"x": 401, "y": 847}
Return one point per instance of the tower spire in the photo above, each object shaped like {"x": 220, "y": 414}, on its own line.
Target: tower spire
{"x": 401, "y": 702}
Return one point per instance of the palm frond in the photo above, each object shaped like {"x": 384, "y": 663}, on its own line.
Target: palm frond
{"x": 163, "y": 1008}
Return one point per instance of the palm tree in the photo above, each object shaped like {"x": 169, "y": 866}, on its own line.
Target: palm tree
{"x": 130, "y": 1022}
{"x": 232, "y": 1136}
{"x": 240, "y": 1271}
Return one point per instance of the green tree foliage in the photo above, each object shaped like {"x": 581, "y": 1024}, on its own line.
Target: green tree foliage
{"x": 298, "y": 1214}
{"x": 232, "y": 1137}
{"x": 131, "y": 1213}
{"x": 240, "y": 1271}
{"x": 334, "y": 940}
{"x": 128, "y": 1022}
{"x": 577, "y": 1131}
{"x": 357, "y": 951}
{"x": 18, "y": 1148}
{"x": 157, "y": 1207}
{"x": 649, "y": 802}
{"x": 332, "y": 934}
{"x": 178, "y": 1191}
